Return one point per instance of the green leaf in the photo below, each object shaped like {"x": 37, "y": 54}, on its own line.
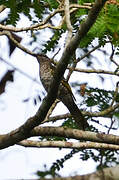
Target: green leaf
{"x": 91, "y": 102}
{"x": 52, "y": 4}
{"x": 38, "y": 8}
{"x": 116, "y": 114}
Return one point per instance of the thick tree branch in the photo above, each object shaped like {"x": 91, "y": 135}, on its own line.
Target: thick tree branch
{"x": 75, "y": 134}
{"x": 64, "y": 144}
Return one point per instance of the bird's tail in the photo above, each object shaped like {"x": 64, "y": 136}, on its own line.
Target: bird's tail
{"x": 75, "y": 112}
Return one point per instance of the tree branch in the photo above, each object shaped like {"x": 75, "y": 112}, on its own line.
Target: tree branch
{"x": 68, "y": 22}
{"x": 65, "y": 144}
{"x": 97, "y": 71}
{"x": 75, "y": 134}
{"x": 104, "y": 113}
{"x": 2, "y": 7}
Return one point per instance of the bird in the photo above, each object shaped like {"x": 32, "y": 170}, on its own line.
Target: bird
{"x": 65, "y": 94}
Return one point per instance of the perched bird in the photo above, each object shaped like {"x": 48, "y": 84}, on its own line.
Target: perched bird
{"x": 64, "y": 92}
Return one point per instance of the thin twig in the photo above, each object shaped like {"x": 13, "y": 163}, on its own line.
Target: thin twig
{"x": 56, "y": 53}
{"x": 104, "y": 113}
{"x": 112, "y": 55}
{"x": 112, "y": 122}
{"x": 51, "y": 110}
{"x": 97, "y": 71}
{"x": 115, "y": 93}
{"x": 88, "y": 53}
{"x": 71, "y": 69}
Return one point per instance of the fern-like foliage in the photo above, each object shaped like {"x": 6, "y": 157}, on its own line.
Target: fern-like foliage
{"x": 17, "y": 7}
{"x": 51, "y": 44}
{"x": 52, "y": 4}
{"x": 106, "y": 26}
